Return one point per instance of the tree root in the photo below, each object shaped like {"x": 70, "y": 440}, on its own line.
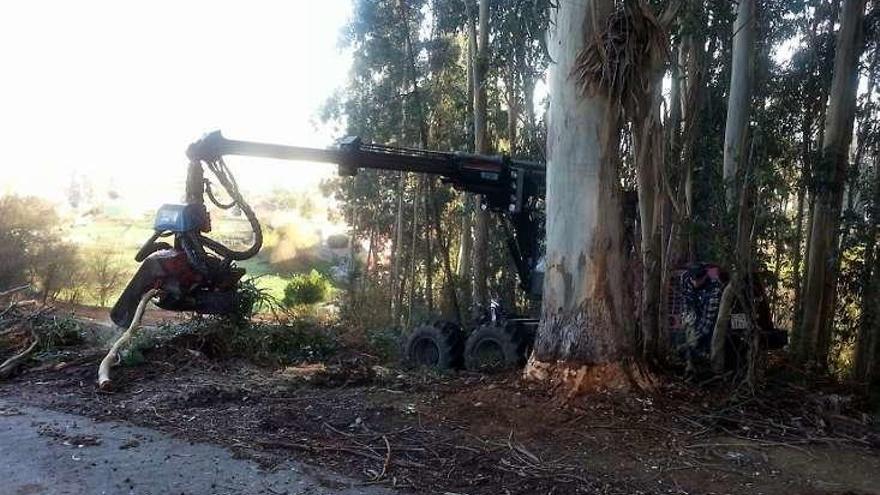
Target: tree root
{"x": 112, "y": 356}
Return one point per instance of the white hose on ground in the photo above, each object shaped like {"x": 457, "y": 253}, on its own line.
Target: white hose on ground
{"x": 111, "y": 357}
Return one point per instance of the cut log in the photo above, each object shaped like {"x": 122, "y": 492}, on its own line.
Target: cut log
{"x": 112, "y": 356}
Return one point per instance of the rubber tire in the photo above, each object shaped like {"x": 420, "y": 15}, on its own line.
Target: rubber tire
{"x": 506, "y": 338}
{"x": 445, "y": 335}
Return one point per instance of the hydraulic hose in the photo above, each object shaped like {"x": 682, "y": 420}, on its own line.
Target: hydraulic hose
{"x": 227, "y": 180}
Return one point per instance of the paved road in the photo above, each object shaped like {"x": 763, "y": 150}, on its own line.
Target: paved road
{"x": 45, "y": 452}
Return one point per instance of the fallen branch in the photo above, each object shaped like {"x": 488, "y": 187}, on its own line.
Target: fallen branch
{"x": 387, "y": 462}
{"x": 18, "y": 304}
{"x": 12, "y": 329}
{"x": 10, "y": 364}
{"x": 347, "y": 450}
{"x": 14, "y": 290}
{"x": 112, "y": 356}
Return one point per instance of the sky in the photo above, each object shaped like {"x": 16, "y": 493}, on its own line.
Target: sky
{"x": 116, "y": 90}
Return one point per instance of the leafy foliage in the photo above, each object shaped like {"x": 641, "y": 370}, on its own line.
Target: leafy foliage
{"x": 254, "y": 299}
{"x": 306, "y": 289}
{"x": 32, "y": 249}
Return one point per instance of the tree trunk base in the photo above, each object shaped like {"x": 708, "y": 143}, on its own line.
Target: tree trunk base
{"x": 574, "y": 380}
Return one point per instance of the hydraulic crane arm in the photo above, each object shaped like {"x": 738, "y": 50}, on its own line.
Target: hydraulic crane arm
{"x": 512, "y": 188}
{"x": 493, "y": 176}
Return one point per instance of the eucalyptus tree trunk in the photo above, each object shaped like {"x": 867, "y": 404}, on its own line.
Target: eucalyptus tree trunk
{"x": 414, "y": 254}
{"x": 797, "y": 255}
{"x": 692, "y": 108}
{"x": 451, "y": 304}
{"x": 742, "y": 252}
{"x": 867, "y": 364}
{"x": 829, "y": 177}
{"x": 673, "y": 126}
{"x": 670, "y": 205}
{"x": 366, "y": 277}
{"x": 481, "y": 60}
{"x": 471, "y": 61}
{"x": 586, "y": 333}
{"x": 868, "y": 341}
{"x": 480, "y": 253}
{"x": 777, "y": 309}
{"x": 396, "y": 248}
{"x": 352, "y": 258}
{"x": 813, "y": 114}
{"x": 648, "y": 143}
{"x": 649, "y": 147}
{"x": 429, "y": 245}
{"x": 481, "y": 145}
{"x": 739, "y": 102}
{"x": 512, "y": 106}
{"x": 530, "y": 131}
{"x": 739, "y": 106}
{"x": 465, "y": 254}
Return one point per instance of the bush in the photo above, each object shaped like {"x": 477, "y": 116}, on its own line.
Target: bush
{"x": 306, "y": 289}
{"x": 32, "y": 248}
{"x": 58, "y": 331}
{"x": 254, "y": 298}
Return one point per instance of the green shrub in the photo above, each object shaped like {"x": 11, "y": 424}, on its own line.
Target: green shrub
{"x": 254, "y": 298}
{"x": 306, "y": 289}
{"x": 58, "y": 331}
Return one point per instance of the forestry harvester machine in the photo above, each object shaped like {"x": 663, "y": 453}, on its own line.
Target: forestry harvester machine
{"x": 192, "y": 272}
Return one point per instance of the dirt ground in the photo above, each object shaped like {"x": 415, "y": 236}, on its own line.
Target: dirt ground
{"x": 466, "y": 433}
{"x": 53, "y": 453}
